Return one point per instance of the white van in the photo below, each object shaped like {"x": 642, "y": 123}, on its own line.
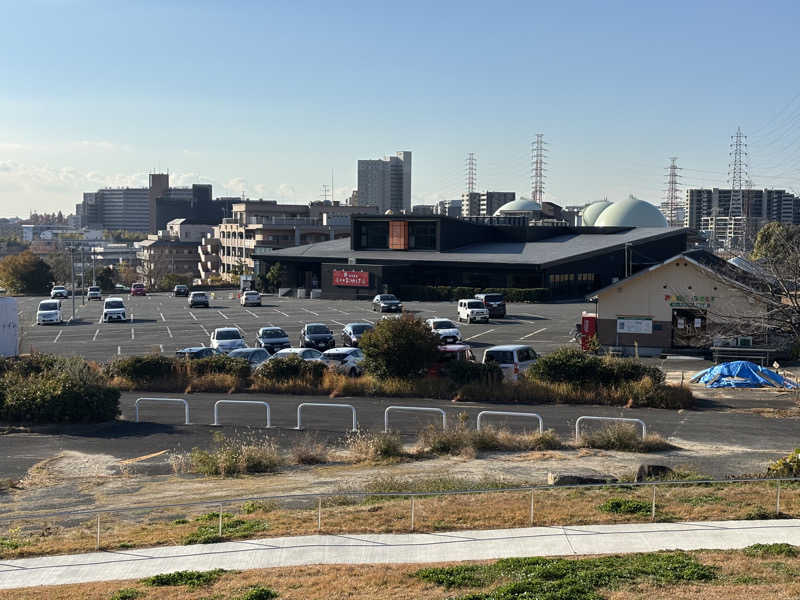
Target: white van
{"x": 512, "y": 359}
{"x": 114, "y": 310}
{"x": 470, "y": 310}
{"x": 49, "y": 311}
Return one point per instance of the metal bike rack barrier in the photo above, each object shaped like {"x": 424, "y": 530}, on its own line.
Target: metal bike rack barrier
{"x": 181, "y": 400}
{"x": 412, "y": 409}
{"x": 578, "y": 424}
{"x": 510, "y": 414}
{"x": 216, "y": 422}
{"x": 325, "y": 404}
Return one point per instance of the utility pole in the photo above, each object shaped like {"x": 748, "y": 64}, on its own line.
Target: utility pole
{"x": 72, "y": 277}
{"x": 83, "y": 278}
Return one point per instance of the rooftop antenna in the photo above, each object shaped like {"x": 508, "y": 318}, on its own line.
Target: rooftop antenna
{"x": 325, "y": 192}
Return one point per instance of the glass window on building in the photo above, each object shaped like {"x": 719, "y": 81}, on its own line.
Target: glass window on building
{"x": 422, "y": 235}
{"x": 375, "y": 234}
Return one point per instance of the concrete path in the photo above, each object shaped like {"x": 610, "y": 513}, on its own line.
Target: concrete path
{"x": 396, "y": 548}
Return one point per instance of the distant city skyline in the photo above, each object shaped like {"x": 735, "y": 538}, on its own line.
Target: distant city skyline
{"x": 268, "y": 99}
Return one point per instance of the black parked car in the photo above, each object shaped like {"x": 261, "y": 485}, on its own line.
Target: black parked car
{"x": 181, "y": 290}
{"x": 316, "y": 335}
{"x": 494, "y": 303}
{"x": 386, "y": 303}
{"x": 352, "y": 332}
{"x": 273, "y": 339}
{"x": 197, "y": 352}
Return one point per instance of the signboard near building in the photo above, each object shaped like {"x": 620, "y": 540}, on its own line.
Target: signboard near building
{"x": 634, "y": 325}
{"x": 351, "y": 278}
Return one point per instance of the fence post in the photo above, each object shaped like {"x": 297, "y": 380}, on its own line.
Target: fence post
{"x": 97, "y": 541}
{"x": 653, "y": 507}
{"x": 319, "y": 514}
{"x": 778, "y": 499}
{"x": 220, "y": 520}
{"x": 412, "y": 513}
{"x": 531, "y": 507}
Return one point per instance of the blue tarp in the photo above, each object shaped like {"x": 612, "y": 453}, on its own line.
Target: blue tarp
{"x": 741, "y": 373}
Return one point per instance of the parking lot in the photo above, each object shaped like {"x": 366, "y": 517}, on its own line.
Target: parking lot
{"x": 161, "y": 323}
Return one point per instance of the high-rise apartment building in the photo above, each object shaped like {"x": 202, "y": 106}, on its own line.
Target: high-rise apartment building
{"x": 484, "y": 204}
{"x": 386, "y": 183}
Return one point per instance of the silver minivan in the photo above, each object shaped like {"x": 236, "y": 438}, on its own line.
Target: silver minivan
{"x": 513, "y": 359}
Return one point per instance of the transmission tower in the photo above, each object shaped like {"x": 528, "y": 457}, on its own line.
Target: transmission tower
{"x": 325, "y": 195}
{"x": 471, "y": 178}
{"x": 538, "y": 153}
{"x": 739, "y": 209}
{"x": 673, "y": 206}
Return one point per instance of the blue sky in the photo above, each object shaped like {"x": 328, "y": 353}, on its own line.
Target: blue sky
{"x": 266, "y": 98}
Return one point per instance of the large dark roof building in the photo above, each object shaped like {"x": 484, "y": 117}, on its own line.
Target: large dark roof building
{"x": 432, "y": 250}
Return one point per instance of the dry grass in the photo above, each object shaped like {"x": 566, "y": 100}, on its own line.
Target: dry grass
{"x": 365, "y": 446}
{"x": 457, "y": 440}
{"x": 490, "y": 510}
{"x": 738, "y": 576}
{"x": 309, "y": 450}
{"x": 625, "y": 437}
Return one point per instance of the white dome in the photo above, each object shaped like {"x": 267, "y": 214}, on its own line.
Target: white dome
{"x": 631, "y": 212}
{"x": 517, "y": 206}
{"x": 592, "y": 211}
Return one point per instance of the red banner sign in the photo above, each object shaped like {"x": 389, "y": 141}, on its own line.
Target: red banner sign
{"x": 351, "y": 278}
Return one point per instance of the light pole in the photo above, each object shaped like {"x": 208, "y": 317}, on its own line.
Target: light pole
{"x": 83, "y": 278}
{"x": 72, "y": 278}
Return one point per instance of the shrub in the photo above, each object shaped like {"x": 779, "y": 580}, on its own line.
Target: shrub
{"x": 403, "y": 348}
{"x": 787, "y": 466}
{"x": 574, "y": 366}
{"x": 767, "y": 550}
{"x": 126, "y": 594}
{"x": 257, "y": 592}
{"x": 213, "y": 365}
{"x": 460, "y": 438}
{"x": 66, "y": 391}
{"x": 291, "y": 367}
{"x": 625, "y": 437}
{"x": 365, "y": 446}
{"x": 308, "y": 450}
{"x": 462, "y": 372}
{"x": 231, "y": 528}
{"x": 190, "y": 578}
{"x": 626, "y": 506}
{"x": 252, "y": 506}
{"x": 237, "y": 457}
{"x": 143, "y": 368}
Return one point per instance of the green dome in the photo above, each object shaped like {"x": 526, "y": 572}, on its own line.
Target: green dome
{"x": 631, "y": 212}
{"x": 592, "y": 211}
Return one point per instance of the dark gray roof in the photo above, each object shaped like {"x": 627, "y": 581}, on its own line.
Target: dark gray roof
{"x": 544, "y": 252}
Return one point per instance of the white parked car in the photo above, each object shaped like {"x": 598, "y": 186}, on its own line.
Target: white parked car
{"x": 345, "y": 360}
{"x": 250, "y": 298}
{"x": 114, "y": 310}
{"x": 94, "y": 293}
{"x": 446, "y": 329}
{"x": 59, "y": 291}
{"x": 304, "y": 353}
{"x": 513, "y": 359}
{"x": 226, "y": 339}
{"x": 470, "y": 310}
{"x": 198, "y": 299}
{"x": 49, "y": 311}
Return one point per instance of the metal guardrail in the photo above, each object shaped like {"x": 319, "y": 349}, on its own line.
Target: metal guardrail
{"x": 185, "y": 406}
{"x": 509, "y": 414}
{"x": 328, "y": 405}
{"x": 411, "y": 409}
{"x": 579, "y": 419}
{"x": 216, "y": 422}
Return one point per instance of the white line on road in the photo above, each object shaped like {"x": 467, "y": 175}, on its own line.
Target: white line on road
{"x": 534, "y": 316}
{"x": 534, "y": 333}
{"x": 251, "y": 312}
{"x": 223, "y": 315}
{"x": 280, "y": 311}
{"x": 162, "y": 316}
{"x": 203, "y": 327}
{"x": 338, "y": 323}
{"x": 58, "y": 336}
{"x": 478, "y": 334}
{"x": 192, "y": 315}
{"x": 311, "y": 311}
{"x": 370, "y": 322}
{"x": 341, "y": 311}
{"x": 96, "y": 333}
{"x": 202, "y": 345}
{"x": 119, "y": 350}
{"x": 169, "y": 331}
{"x": 161, "y": 348}
{"x": 133, "y": 335}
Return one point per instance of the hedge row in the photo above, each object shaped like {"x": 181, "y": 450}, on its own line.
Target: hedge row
{"x": 453, "y": 293}
{"x": 574, "y": 366}
{"x": 154, "y": 367}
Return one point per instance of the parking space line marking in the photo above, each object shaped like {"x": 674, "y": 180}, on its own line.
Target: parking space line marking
{"x": 341, "y": 311}
{"x": 169, "y": 331}
{"x": 534, "y": 333}
{"x": 280, "y": 311}
{"x": 223, "y": 315}
{"x": 58, "y": 336}
{"x": 311, "y": 311}
{"x": 133, "y": 335}
{"x": 192, "y": 315}
{"x": 96, "y": 333}
{"x": 251, "y": 312}
{"x": 202, "y": 345}
{"x": 119, "y": 350}
{"x": 162, "y": 316}
{"x": 161, "y": 348}
{"x": 479, "y": 334}
{"x": 370, "y": 322}
{"x": 534, "y": 316}
{"x": 338, "y": 323}
{"x": 203, "y": 327}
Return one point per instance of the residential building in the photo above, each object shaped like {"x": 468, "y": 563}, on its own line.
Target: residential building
{"x": 110, "y": 254}
{"x": 385, "y": 183}
{"x": 484, "y": 204}
{"x": 187, "y": 230}
{"x": 161, "y": 254}
{"x": 423, "y": 209}
{"x": 448, "y": 208}
{"x": 119, "y": 208}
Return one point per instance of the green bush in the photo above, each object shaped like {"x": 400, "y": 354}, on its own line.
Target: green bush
{"x": 190, "y": 578}
{"x": 402, "y": 348}
{"x": 56, "y": 390}
{"x": 257, "y": 592}
{"x": 143, "y": 368}
{"x": 626, "y": 506}
{"x": 126, "y": 594}
{"x": 787, "y": 466}
{"x": 766, "y": 550}
{"x": 291, "y": 367}
{"x": 462, "y": 372}
{"x": 212, "y": 365}
{"x": 572, "y": 365}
